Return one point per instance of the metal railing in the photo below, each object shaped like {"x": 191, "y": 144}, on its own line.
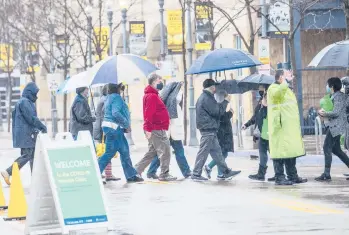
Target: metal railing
{"x": 318, "y": 135}
{"x": 238, "y": 131}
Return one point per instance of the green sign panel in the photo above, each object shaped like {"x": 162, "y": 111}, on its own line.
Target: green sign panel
{"x": 78, "y": 186}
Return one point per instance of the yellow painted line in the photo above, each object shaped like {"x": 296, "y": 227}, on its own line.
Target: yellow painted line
{"x": 157, "y": 182}
{"x": 304, "y": 207}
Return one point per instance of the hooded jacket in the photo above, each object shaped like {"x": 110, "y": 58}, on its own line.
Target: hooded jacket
{"x": 285, "y": 137}
{"x": 80, "y": 116}
{"x": 25, "y": 123}
{"x": 155, "y": 114}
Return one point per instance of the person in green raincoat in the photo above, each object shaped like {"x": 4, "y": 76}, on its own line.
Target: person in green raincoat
{"x": 285, "y": 138}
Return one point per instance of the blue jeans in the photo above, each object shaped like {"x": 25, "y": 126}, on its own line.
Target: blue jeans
{"x": 177, "y": 146}
{"x": 116, "y": 142}
{"x": 213, "y": 163}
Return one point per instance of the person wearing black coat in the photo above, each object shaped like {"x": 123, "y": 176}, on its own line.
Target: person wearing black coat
{"x": 225, "y": 139}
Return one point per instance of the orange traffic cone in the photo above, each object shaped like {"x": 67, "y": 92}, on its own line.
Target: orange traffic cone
{"x": 17, "y": 208}
{"x": 2, "y": 199}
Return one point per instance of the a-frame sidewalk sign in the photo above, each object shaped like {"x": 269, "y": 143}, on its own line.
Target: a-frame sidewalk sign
{"x": 67, "y": 192}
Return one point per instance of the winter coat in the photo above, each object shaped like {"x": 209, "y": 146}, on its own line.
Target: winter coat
{"x": 253, "y": 120}
{"x": 81, "y": 118}
{"x": 97, "y": 127}
{"x": 25, "y": 123}
{"x": 209, "y": 112}
{"x": 337, "y": 118}
{"x": 116, "y": 111}
{"x": 225, "y": 133}
{"x": 285, "y": 137}
{"x": 155, "y": 114}
{"x": 169, "y": 95}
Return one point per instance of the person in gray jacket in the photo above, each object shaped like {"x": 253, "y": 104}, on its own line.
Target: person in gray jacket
{"x": 335, "y": 127}
{"x": 81, "y": 118}
{"x": 208, "y": 115}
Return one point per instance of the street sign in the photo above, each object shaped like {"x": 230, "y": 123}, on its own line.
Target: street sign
{"x": 53, "y": 81}
{"x": 67, "y": 191}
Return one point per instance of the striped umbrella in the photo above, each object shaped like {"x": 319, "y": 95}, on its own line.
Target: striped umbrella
{"x": 334, "y": 56}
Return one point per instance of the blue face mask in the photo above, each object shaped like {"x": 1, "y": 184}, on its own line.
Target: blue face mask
{"x": 328, "y": 89}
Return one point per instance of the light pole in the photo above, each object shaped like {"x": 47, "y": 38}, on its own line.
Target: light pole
{"x": 51, "y": 28}
{"x": 162, "y": 30}
{"x": 193, "y": 141}
{"x": 123, "y": 6}
{"x": 110, "y": 23}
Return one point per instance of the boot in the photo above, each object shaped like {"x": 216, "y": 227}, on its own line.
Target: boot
{"x": 272, "y": 179}
{"x": 282, "y": 181}
{"x": 260, "y": 175}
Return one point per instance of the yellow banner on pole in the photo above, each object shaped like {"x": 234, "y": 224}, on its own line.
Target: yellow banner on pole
{"x": 174, "y": 31}
{"x": 203, "y": 26}
{"x": 6, "y": 57}
{"x": 32, "y": 57}
{"x": 101, "y": 40}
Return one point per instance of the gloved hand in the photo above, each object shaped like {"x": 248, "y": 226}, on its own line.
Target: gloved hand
{"x": 94, "y": 118}
{"x": 43, "y": 129}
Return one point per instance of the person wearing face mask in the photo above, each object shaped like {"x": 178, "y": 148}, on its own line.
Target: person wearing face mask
{"x": 156, "y": 124}
{"x": 336, "y": 126}
{"x": 208, "y": 116}
{"x": 116, "y": 122}
{"x": 261, "y": 120}
{"x": 25, "y": 127}
{"x": 285, "y": 137}
{"x": 81, "y": 118}
{"x": 172, "y": 96}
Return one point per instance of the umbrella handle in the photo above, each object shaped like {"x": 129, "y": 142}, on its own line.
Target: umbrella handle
{"x": 93, "y": 104}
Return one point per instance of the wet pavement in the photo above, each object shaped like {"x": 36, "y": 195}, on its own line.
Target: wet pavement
{"x": 239, "y": 206}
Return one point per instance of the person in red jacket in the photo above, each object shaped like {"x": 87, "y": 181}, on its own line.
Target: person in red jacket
{"x": 156, "y": 123}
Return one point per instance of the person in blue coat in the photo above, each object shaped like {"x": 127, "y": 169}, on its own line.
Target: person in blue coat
{"x": 25, "y": 127}
{"x": 116, "y": 122}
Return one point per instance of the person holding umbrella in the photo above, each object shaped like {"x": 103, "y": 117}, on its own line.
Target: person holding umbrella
{"x": 225, "y": 136}
{"x": 285, "y": 137}
{"x": 81, "y": 118}
{"x": 117, "y": 122}
{"x": 98, "y": 132}
{"x": 336, "y": 125}
{"x": 208, "y": 116}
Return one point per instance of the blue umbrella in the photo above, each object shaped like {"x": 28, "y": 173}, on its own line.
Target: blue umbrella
{"x": 223, "y": 59}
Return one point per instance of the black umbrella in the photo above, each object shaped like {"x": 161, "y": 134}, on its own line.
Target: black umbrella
{"x": 253, "y": 81}
{"x": 335, "y": 55}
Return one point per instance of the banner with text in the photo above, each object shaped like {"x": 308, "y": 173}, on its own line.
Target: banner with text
{"x": 6, "y": 57}
{"x": 174, "y": 31}
{"x": 138, "y": 45}
{"x": 32, "y": 57}
{"x": 203, "y": 26}
{"x": 101, "y": 42}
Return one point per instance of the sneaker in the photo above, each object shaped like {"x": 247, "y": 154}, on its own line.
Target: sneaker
{"x": 104, "y": 182}
{"x": 347, "y": 175}
{"x": 6, "y": 177}
{"x": 103, "y": 176}
{"x": 272, "y": 179}
{"x": 135, "y": 179}
{"x": 207, "y": 171}
{"x": 188, "y": 175}
{"x": 112, "y": 178}
{"x": 153, "y": 176}
{"x": 167, "y": 177}
{"x": 324, "y": 178}
{"x": 231, "y": 174}
{"x": 198, "y": 178}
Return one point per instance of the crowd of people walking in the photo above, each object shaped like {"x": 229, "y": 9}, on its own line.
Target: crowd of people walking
{"x": 276, "y": 121}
